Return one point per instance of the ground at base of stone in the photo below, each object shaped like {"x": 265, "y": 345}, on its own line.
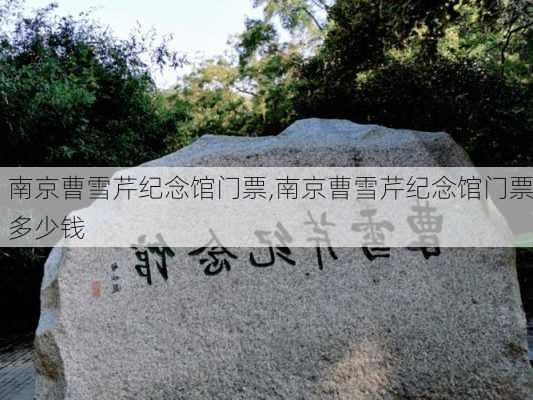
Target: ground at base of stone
{"x": 17, "y": 374}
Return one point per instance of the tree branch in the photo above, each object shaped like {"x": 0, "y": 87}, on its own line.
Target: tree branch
{"x": 321, "y": 4}
{"x": 245, "y": 91}
{"x": 313, "y": 18}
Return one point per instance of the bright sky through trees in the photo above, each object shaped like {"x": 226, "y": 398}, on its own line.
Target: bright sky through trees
{"x": 199, "y": 27}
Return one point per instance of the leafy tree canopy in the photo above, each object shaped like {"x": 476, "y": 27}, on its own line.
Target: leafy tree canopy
{"x": 72, "y": 94}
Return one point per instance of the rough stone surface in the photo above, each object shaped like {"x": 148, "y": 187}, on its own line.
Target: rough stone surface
{"x": 450, "y": 327}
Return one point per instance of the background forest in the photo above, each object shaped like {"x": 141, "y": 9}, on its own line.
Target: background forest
{"x": 71, "y": 94}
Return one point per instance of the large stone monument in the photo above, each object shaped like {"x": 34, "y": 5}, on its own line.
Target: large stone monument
{"x": 403, "y": 327}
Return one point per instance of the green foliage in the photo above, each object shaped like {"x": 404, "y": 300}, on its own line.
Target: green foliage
{"x": 249, "y": 95}
{"x": 498, "y": 35}
{"x": 488, "y": 116}
{"x": 71, "y": 94}
{"x": 205, "y": 102}
{"x": 459, "y": 66}
{"x": 258, "y": 39}
{"x": 297, "y": 15}
{"x": 429, "y": 66}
